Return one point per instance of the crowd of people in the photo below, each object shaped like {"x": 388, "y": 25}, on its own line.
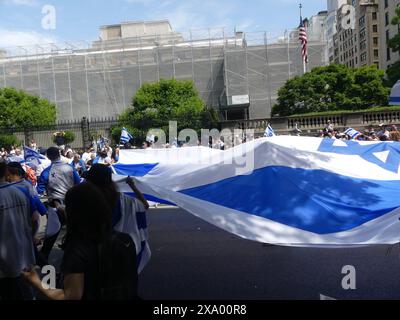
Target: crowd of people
{"x": 382, "y": 133}
{"x": 99, "y": 262}
{"x": 77, "y": 187}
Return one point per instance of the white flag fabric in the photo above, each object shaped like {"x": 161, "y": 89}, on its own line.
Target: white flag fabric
{"x": 352, "y": 133}
{"x": 269, "y": 132}
{"x": 292, "y": 191}
{"x": 125, "y": 136}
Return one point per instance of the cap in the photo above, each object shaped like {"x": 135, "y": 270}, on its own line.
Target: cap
{"x": 18, "y": 166}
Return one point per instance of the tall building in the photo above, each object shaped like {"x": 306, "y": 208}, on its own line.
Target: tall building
{"x": 367, "y": 26}
{"x": 331, "y": 21}
{"x": 387, "y": 31}
{"x": 358, "y": 45}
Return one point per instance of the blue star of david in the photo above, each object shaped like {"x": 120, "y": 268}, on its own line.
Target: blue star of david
{"x": 366, "y": 152}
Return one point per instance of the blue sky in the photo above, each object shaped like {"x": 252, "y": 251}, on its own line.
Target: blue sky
{"x": 21, "y": 20}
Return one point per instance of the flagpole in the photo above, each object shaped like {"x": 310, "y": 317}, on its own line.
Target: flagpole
{"x": 304, "y": 61}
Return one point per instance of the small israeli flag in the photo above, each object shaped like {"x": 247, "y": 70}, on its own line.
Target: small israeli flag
{"x": 31, "y": 155}
{"x": 125, "y": 136}
{"x": 352, "y": 133}
{"x": 269, "y": 132}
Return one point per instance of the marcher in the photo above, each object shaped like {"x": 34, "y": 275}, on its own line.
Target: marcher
{"x": 98, "y": 263}
{"x": 56, "y": 180}
{"x": 16, "y": 245}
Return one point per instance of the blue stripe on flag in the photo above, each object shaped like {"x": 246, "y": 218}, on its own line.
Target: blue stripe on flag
{"x": 313, "y": 200}
{"x": 394, "y": 99}
{"x": 134, "y": 170}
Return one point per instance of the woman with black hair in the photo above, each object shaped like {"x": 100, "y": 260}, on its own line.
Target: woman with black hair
{"x": 96, "y": 259}
{"x": 128, "y": 213}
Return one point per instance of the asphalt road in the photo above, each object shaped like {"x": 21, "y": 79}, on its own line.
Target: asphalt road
{"x": 195, "y": 260}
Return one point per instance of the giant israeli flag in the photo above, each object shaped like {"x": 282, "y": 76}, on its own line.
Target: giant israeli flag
{"x": 292, "y": 191}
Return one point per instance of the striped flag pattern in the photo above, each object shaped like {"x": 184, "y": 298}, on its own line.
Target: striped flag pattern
{"x": 125, "y": 136}
{"x": 269, "y": 132}
{"x": 304, "y": 40}
{"x": 352, "y": 133}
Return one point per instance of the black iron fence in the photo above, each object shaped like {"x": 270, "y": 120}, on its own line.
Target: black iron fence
{"x": 84, "y": 130}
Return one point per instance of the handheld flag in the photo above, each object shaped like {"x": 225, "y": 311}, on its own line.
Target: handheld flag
{"x": 32, "y": 156}
{"x": 269, "y": 132}
{"x": 125, "y": 136}
{"x": 353, "y": 134}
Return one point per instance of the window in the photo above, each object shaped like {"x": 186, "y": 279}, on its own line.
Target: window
{"x": 387, "y": 37}
{"x": 363, "y": 45}
{"x": 363, "y": 57}
{"x": 388, "y": 56}
{"x": 375, "y": 41}
{"x": 361, "y": 21}
{"x": 376, "y": 53}
{"x": 386, "y": 3}
{"x": 362, "y": 34}
{"x": 375, "y": 28}
{"x": 374, "y": 16}
{"x": 386, "y": 18}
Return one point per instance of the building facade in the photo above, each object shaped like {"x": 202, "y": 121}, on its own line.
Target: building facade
{"x": 331, "y": 26}
{"x": 356, "y": 42}
{"x": 387, "y": 11}
{"x": 237, "y": 73}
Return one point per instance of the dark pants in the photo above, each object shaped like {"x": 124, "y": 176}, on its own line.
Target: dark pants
{"x": 48, "y": 243}
{"x": 13, "y": 289}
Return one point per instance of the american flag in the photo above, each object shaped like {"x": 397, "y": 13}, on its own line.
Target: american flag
{"x": 304, "y": 40}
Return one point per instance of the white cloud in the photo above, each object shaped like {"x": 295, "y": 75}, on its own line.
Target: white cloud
{"x": 12, "y": 38}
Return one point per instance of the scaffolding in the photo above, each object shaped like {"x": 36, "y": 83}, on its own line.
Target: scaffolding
{"x": 99, "y": 79}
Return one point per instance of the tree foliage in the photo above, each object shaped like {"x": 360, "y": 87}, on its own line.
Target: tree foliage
{"x": 330, "y": 88}
{"x": 155, "y": 104}
{"x": 20, "y": 109}
{"x": 393, "y": 72}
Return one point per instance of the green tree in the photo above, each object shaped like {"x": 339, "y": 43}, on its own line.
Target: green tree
{"x": 331, "y": 88}
{"x": 20, "y": 109}
{"x": 155, "y": 104}
{"x": 393, "y": 72}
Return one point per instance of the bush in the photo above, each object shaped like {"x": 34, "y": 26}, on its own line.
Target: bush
{"x": 7, "y": 141}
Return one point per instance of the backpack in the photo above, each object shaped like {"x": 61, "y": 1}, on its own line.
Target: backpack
{"x": 118, "y": 278}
